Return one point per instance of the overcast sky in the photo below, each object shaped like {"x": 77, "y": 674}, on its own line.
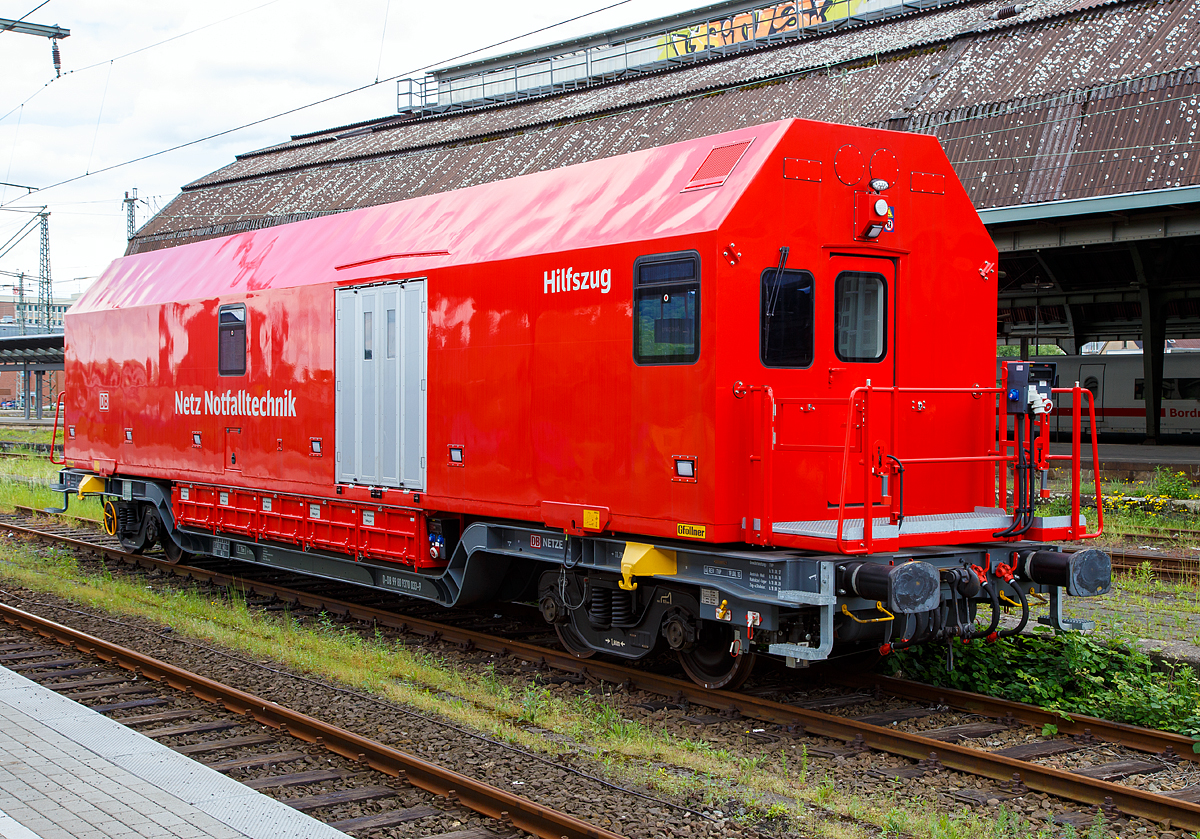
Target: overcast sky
{"x": 232, "y": 62}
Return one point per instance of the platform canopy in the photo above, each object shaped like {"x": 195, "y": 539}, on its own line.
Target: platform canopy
{"x": 31, "y": 352}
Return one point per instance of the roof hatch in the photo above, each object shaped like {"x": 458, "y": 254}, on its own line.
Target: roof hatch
{"x": 718, "y": 165}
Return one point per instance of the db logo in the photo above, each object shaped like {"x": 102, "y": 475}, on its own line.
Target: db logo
{"x": 104, "y": 400}
{"x": 535, "y": 541}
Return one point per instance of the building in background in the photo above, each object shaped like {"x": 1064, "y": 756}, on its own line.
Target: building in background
{"x": 17, "y": 311}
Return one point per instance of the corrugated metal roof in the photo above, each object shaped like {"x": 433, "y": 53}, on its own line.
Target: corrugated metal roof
{"x": 1108, "y": 140}
{"x": 1026, "y": 107}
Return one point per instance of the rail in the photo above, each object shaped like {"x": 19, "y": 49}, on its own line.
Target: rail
{"x": 888, "y": 466}
{"x": 813, "y": 722}
{"x": 481, "y": 797}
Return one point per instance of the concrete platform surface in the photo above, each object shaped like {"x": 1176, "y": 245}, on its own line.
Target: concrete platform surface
{"x": 68, "y": 771}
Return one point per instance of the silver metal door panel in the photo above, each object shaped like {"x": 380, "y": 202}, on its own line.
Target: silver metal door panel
{"x": 368, "y": 385}
{"x": 389, "y": 386}
{"x": 413, "y": 341}
{"x": 381, "y": 369}
{"x": 345, "y": 391}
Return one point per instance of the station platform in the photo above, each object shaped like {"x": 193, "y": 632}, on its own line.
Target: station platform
{"x": 1134, "y": 462}
{"x": 68, "y": 771}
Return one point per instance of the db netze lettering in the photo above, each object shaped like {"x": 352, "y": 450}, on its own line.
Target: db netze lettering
{"x": 567, "y": 279}
{"x": 236, "y": 403}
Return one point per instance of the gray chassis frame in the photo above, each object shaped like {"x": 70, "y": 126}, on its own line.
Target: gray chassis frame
{"x": 777, "y": 584}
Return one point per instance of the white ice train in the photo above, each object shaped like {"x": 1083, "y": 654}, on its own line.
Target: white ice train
{"x": 1116, "y": 380}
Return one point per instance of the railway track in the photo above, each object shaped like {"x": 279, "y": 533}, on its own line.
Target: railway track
{"x": 1142, "y": 752}
{"x": 272, "y": 748}
{"x": 1161, "y": 565}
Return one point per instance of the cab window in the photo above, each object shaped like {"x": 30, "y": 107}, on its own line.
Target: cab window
{"x": 666, "y": 309}
{"x": 786, "y": 323}
{"x": 860, "y": 312}
{"x": 231, "y": 340}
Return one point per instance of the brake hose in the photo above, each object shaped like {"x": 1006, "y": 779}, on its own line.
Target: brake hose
{"x": 995, "y": 598}
{"x": 1008, "y": 633}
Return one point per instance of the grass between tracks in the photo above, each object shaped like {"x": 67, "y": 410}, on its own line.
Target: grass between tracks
{"x": 775, "y": 789}
{"x": 1071, "y": 673}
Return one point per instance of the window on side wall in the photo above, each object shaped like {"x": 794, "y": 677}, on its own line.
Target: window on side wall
{"x": 860, "y": 313}
{"x": 786, "y": 324}
{"x": 666, "y": 313}
{"x": 231, "y": 341}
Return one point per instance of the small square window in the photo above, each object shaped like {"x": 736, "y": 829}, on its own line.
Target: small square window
{"x": 786, "y": 325}
{"x": 860, "y": 316}
{"x": 231, "y": 344}
{"x": 666, "y": 316}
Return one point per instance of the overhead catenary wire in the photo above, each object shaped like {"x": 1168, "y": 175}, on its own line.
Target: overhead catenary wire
{"x": 136, "y": 51}
{"x": 326, "y": 99}
{"x": 22, "y": 17}
{"x": 99, "y": 114}
{"x": 383, "y": 38}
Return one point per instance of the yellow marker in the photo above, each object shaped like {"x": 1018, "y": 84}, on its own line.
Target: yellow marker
{"x": 91, "y": 485}
{"x": 591, "y": 519}
{"x": 690, "y": 531}
{"x": 644, "y": 561}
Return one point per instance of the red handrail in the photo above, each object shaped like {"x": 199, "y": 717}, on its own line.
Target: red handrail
{"x": 1076, "y": 459}
{"x": 858, "y": 416}
{"x": 54, "y": 434}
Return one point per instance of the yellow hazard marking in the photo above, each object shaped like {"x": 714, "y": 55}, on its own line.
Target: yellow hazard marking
{"x": 591, "y": 519}
{"x": 91, "y": 485}
{"x": 644, "y": 561}
{"x": 690, "y": 531}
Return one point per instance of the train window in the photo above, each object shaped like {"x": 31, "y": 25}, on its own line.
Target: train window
{"x": 666, "y": 315}
{"x": 1172, "y": 388}
{"x": 391, "y": 333}
{"x": 231, "y": 340}
{"x": 367, "y": 337}
{"x": 860, "y": 314}
{"x": 786, "y": 330}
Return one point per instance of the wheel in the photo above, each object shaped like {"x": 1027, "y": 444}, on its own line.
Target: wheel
{"x": 173, "y": 552}
{"x": 709, "y": 663}
{"x": 136, "y": 542}
{"x": 569, "y": 637}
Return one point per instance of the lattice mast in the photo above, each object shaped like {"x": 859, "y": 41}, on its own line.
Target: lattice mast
{"x": 130, "y": 213}
{"x": 45, "y": 287}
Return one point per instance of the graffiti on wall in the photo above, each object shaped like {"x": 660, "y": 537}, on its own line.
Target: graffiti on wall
{"x": 756, "y": 24}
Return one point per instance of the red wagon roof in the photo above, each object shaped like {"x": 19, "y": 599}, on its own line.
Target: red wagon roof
{"x": 626, "y": 198}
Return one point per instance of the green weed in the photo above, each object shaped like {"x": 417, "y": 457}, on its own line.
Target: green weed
{"x": 1071, "y": 673}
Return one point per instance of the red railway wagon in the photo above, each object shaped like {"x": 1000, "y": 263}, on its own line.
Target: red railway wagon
{"x": 654, "y": 392}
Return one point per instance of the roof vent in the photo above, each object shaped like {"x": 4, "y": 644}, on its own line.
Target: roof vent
{"x": 718, "y": 165}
